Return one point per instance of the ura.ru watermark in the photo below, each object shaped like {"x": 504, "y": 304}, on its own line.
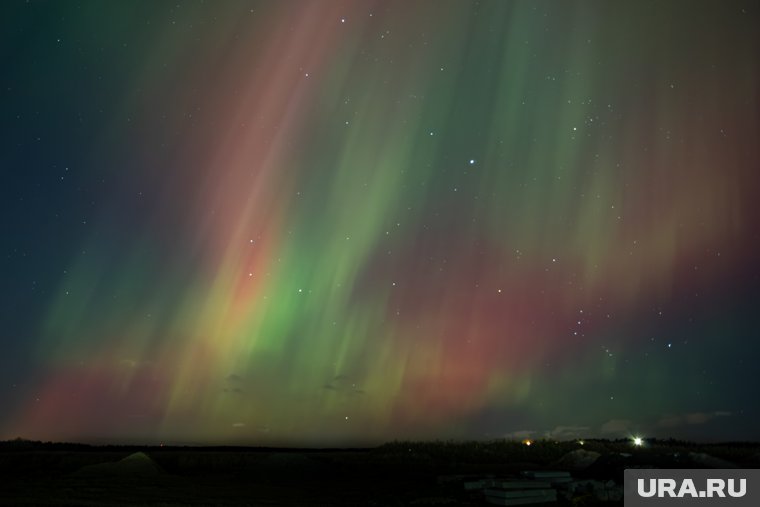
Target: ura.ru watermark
{"x": 687, "y": 487}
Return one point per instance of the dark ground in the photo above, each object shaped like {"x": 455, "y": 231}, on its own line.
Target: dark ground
{"x": 395, "y": 474}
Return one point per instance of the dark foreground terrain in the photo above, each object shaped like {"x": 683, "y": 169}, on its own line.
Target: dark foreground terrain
{"x": 395, "y": 474}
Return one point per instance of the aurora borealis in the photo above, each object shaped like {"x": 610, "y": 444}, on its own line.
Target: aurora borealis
{"x": 336, "y": 222}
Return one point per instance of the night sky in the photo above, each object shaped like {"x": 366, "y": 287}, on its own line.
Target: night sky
{"x": 347, "y": 222}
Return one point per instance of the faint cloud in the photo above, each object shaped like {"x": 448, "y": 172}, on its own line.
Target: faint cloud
{"x": 238, "y": 425}
{"x": 344, "y": 384}
{"x": 616, "y": 426}
{"x": 698, "y": 418}
{"x": 232, "y": 384}
{"x": 670, "y": 421}
{"x": 567, "y": 432}
{"x": 129, "y": 363}
{"x": 520, "y": 435}
{"x": 691, "y": 418}
{"x": 134, "y": 364}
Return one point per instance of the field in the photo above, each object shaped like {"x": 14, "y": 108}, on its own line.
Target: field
{"x": 394, "y": 474}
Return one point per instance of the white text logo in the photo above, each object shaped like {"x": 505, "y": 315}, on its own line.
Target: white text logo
{"x": 670, "y": 487}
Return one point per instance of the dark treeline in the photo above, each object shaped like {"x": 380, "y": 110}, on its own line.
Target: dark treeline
{"x": 26, "y": 445}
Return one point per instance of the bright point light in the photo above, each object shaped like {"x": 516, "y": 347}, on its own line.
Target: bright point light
{"x": 638, "y": 441}
{"x": 528, "y": 442}
{"x": 581, "y": 442}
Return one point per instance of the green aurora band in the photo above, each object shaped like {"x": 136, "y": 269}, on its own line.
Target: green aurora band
{"x": 342, "y": 222}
